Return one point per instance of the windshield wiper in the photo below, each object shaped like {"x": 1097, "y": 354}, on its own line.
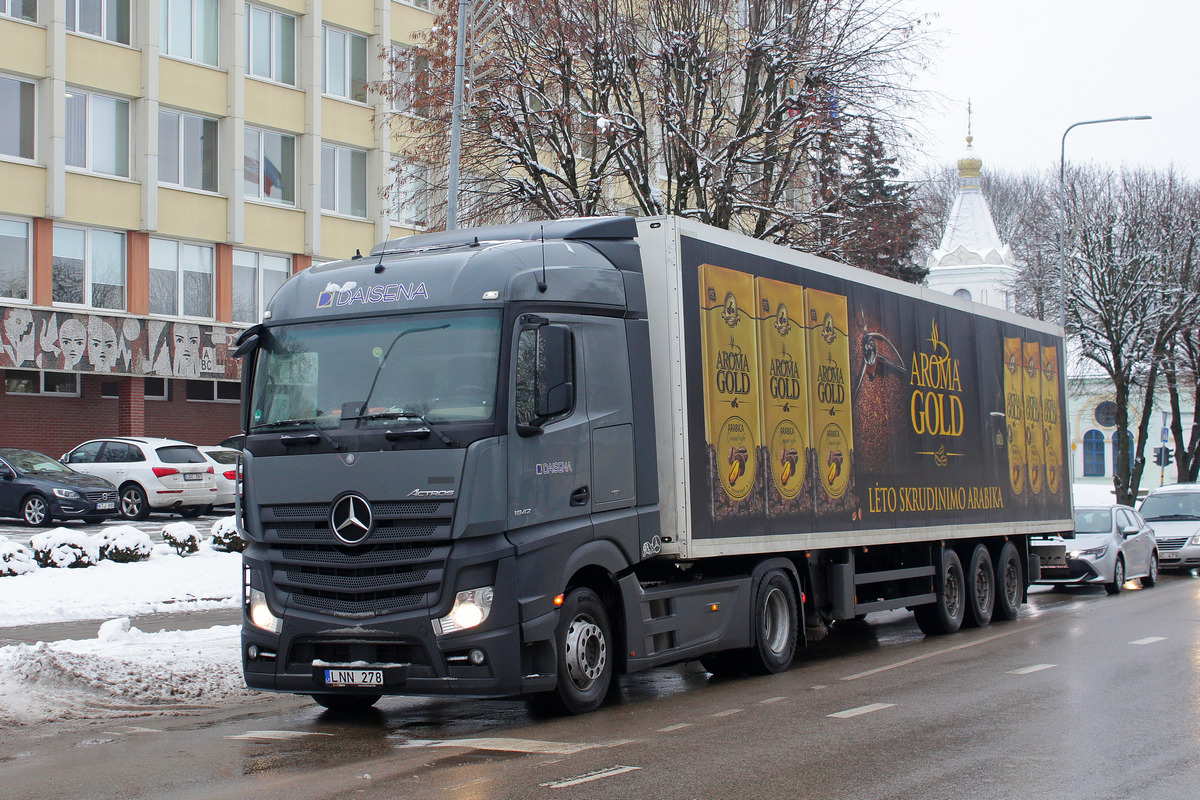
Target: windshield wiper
{"x": 430, "y": 427}
{"x": 296, "y": 423}
{"x": 1173, "y": 516}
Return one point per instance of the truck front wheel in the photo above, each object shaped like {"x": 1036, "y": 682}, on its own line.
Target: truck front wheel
{"x": 585, "y": 657}
{"x": 776, "y": 623}
{"x": 945, "y": 614}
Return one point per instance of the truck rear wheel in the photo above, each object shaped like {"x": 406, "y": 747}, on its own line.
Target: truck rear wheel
{"x": 945, "y": 614}
{"x": 585, "y": 657}
{"x": 1010, "y": 582}
{"x": 981, "y": 588}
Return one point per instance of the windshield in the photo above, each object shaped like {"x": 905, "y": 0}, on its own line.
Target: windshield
{"x": 31, "y": 463}
{"x": 1171, "y": 505}
{"x": 1093, "y": 520}
{"x": 442, "y": 368}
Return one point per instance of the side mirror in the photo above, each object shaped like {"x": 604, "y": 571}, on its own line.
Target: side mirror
{"x": 6, "y": 473}
{"x": 65, "y": 458}
{"x": 1130, "y": 530}
{"x": 555, "y": 368}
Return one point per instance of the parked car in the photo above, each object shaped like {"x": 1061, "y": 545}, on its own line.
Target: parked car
{"x": 235, "y": 442}
{"x": 39, "y": 490}
{"x": 226, "y": 460}
{"x": 1112, "y": 545}
{"x": 158, "y": 474}
{"x": 1175, "y": 512}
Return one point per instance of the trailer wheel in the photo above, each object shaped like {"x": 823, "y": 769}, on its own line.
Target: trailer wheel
{"x": 776, "y": 623}
{"x": 347, "y": 703}
{"x": 585, "y": 661}
{"x": 1010, "y": 582}
{"x": 981, "y": 588}
{"x": 945, "y": 615}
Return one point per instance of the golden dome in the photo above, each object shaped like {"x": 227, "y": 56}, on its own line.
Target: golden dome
{"x": 969, "y": 166}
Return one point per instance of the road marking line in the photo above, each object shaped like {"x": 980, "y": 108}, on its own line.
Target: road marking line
{"x": 771, "y": 700}
{"x": 1031, "y": 669}
{"x": 906, "y": 662}
{"x": 508, "y": 745}
{"x": 127, "y": 729}
{"x": 728, "y": 713}
{"x": 588, "y": 777}
{"x": 469, "y": 783}
{"x": 856, "y": 712}
{"x": 672, "y": 728}
{"x": 1149, "y": 640}
{"x": 276, "y": 735}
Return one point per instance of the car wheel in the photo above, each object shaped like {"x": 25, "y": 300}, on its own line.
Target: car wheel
{"x": 1010, "y": 582}
{"x": 133, "y": 502}
{"x": 35, "y": 511}
{"x": 584, "y": 643}
{"x": 981, "y": 588}
{"x": 1151, "y": 577}
{"x": 347, "y": 703}
{"x": 1118, "y": 581}
{"x": 945, "y": 614}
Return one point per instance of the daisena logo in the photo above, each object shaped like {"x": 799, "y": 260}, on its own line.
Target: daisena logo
{"x": 554, "y": 468}
{"x": 335, "y": 296}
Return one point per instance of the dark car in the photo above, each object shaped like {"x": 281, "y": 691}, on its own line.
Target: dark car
{"x": 235, "y": 442}
{"x": 39, "y": 490}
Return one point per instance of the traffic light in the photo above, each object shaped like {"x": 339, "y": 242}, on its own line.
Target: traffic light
{"x": 1158, "y": 456}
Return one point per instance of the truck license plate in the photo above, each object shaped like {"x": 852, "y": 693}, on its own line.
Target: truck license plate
{"x": 102, "y": 506}
{"x": 354, "y": 677}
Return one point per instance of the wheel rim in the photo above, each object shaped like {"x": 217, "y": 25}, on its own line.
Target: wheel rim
{"x": 35, "y": 511}
{"x": 953, "y": 593}
{"x": 776, "y": 625}
{"x": 1119, "y": 574}
{"x": 131, "y": 502}
{"x": 587, "y": 652}
{"x": 1011, "y": 589}
{"x": 983, "y": 586}
{"x": 1153, "y": 567}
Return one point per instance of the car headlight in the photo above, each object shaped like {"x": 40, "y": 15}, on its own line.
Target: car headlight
{"x": 1095, "y": 552}
{"x": 67, "y": 494}
{"x": 1195, "y": 540}
{"x": 470, "y": 608}
{"x": 260, "y": 613}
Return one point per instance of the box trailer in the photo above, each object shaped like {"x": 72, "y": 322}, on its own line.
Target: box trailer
{"x": 521, "y": 460}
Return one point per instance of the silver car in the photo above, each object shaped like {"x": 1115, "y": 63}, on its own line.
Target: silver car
{"x": 1112, "y": 545}
{"x": 1175, "y": 512}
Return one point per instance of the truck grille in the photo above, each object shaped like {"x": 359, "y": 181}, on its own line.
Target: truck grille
{"x": 399, "y": 567}
{"x": 1174, "y": 543}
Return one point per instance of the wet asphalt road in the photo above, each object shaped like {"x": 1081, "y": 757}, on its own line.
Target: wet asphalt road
{"x": 1085, "y": 696}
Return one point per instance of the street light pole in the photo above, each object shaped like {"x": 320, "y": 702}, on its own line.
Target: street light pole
{"x": 460, "y": 68}
{"x": 1062, "y": 199}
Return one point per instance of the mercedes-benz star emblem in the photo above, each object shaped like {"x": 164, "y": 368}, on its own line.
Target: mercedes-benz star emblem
{"x": 351, "y": 518}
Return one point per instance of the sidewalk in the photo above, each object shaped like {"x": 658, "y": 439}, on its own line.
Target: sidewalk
{"x": 149, "y": 623}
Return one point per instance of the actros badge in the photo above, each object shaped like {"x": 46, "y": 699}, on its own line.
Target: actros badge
{"x": 351, "y": 518}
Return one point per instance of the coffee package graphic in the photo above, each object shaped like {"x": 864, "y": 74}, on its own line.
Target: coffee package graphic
{"x": 1035, "y": 449}
{"x": 1051, "y": 423}
{"x": 827, "y": 320}
{"x": 731, "y": 391}
{"x": 1014, "y": 403}
{"x": 785, "y": 398}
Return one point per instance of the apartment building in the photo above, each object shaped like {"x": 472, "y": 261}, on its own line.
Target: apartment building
{"x": 165, "y": 165}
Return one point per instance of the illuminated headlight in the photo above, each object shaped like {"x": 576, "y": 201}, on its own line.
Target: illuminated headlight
{"x": 1095, "y": 552}
{"x": 1196, "y": 540}
{"x": 260, "y": 613}
{"x": 471, "y": 608}
{"x": 68, "y": 494}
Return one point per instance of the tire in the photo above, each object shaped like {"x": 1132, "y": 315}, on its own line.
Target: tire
{"x": 1151, "y": 578}
{"x": 981, "y": 588}
{"x": 191, "y": 512}
{"x": 133, "y": 503}
{"x": 585, "y": 654}
{"x": 776, "y": 624}
{"x": 35, "y": 511}
{"x": 347, "y": 703}
{"x": 1118, "y": 581}
{"x": 1010, "y": 583}
{"x": 945, "y": 614}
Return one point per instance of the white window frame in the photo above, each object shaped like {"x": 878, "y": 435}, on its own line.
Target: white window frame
{"x": 260, "y": 193}
{"x": 106, "y": 12}
{"x": 274, "y": 37}
{"x": 421, "y": 4}
{"x": 89, "y": 267}
{"x": 401, "y": 102}
{"x": 259, "y": 258}
{"x": 32, "y": 157}
{"x": 183, "y": 148}
{"x": 7, "y": 6}
{"x": 410, "y": 189}
{"x": 334, "y": 180}
{"x": 180, "y": 272}
{"x": 195, "y": 21}
{"x": 41, "y": 386}
{"x": 346, "y": 66}
{"x": 28, "y": 223}
{"x": 89, "y": 133}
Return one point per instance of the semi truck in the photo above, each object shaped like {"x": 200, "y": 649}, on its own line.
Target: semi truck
{"x": 522, "y": 460}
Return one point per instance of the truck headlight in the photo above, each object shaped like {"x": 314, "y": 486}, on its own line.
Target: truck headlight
{"x": 260, "y": 613}
{"x": 67, "y": 494}
{"x": 470, "y": 608}
{"x": 1095, "y": 552}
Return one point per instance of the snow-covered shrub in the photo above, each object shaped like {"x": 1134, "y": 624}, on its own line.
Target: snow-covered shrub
{"x": 225, "y": 536}
{"x": 15, "y": 558}
{"x": 183, "y": 536}
{"x": 124, "y": 544}
{"x": 65, "y": 548}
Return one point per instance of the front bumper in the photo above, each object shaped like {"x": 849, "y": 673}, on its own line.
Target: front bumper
{"x": 1075, "y": 571}
{"x": 1187, "y": 557}
{"x": 70, "y": 508}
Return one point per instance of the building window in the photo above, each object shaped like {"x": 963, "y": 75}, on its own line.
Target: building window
{"x": 270, "y": 166}
{"x": 345, "y": 64}
{"x": 187, "y": 147}
{"x": 61, "y": 384}
{"x": 89, "y": 267}
{"x": 271, "y": 45}
{"x": 105, "y": 19}
{"x": 19, "y": 9}
{"x": 411, "y": 73}
{"x": 188, "y": 29}
{"x": 1093, "y": 454}
{"x": 410, "y": 197}
{"x": 181, "y": 277}
{"x": 152, "y": 388}
{"x": 14, "y": 259}
{"x": 344, "y": 180}
{"x": 964, "y": 294}
{"x": 18, "y": 125}
{"x": 214, "y": 391}
{"x": 256, "y": 278}
{"x": 97, "y": 133}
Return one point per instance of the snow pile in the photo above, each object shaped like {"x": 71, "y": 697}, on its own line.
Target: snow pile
{"x": 183, "y": 536}
{"x": 124, "y": 544}
{"x": 65, "y": 548}
{"x": 225, "y": 536}
{"x": 123, "y": 672}
{"x": 15, "y": 558}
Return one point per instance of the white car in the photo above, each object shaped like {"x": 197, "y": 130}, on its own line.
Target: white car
{"x": 150, "y": 474}
{"x": 226, "y": 461}
{"x": 1175, "y": 512}
{"x": 1112, "y": 545}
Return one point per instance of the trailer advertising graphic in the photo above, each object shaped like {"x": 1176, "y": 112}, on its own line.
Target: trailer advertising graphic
{"x": 832, "y": 405}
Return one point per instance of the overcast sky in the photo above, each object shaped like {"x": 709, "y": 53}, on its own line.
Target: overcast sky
{"x": 1033, "y": 67}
